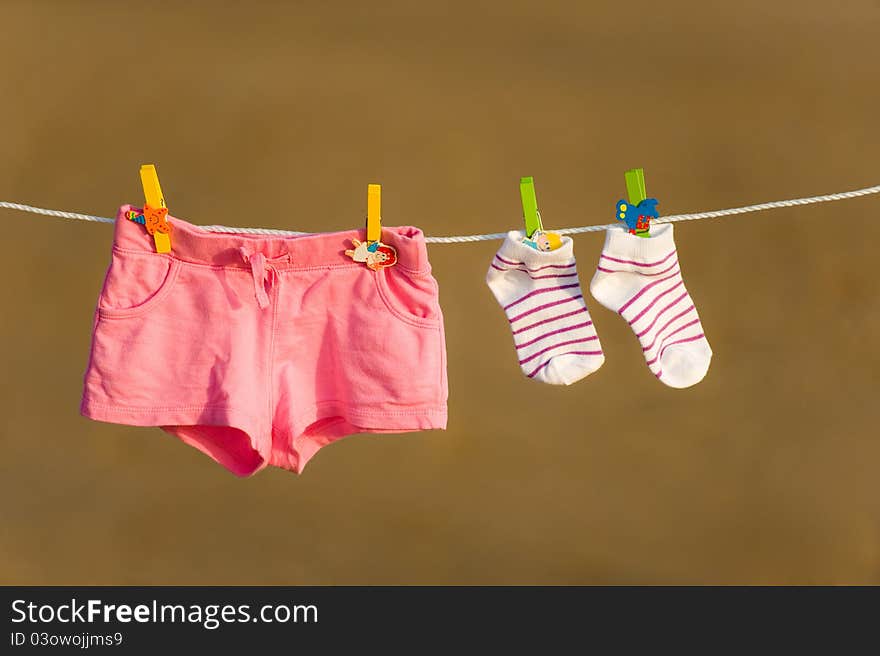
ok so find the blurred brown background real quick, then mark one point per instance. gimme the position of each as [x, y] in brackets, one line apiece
[279, 114]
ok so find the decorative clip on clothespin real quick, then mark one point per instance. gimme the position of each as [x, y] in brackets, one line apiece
[373, 252]
[155, 213]
[535, 237]
[637, 214]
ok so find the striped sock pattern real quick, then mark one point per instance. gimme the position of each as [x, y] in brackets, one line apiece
[539, 292]
[641, 280]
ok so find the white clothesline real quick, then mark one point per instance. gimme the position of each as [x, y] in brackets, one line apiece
[498, 235]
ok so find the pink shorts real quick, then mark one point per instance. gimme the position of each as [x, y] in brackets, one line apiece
[259, 350]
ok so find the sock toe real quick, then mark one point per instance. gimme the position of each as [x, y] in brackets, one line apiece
[685, 365]
[568, 369]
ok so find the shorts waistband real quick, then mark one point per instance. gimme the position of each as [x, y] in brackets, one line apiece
[192, 243]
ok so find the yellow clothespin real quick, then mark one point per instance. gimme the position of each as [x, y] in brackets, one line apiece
[372, 251]
[155, 210]
[374, 213]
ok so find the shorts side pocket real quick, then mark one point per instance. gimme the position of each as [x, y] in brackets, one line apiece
[136, 283]
[413, 299]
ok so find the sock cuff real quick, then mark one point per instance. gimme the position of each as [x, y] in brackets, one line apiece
[513, 252]
[646, 251]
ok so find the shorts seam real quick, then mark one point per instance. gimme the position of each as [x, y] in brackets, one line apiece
[415, 272]
[393, 413]
[331, 268]
[396, 414]
[245, 268]
[133, 408]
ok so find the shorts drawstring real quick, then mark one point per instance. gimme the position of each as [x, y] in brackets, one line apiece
[261, 272]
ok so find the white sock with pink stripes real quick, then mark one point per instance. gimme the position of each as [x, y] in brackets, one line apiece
[541, 296]
[640, 279]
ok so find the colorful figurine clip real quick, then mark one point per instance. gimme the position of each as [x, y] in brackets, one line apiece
[154, 219]
[637, 217]
[543, 241]
[137, 217]
[375, 255]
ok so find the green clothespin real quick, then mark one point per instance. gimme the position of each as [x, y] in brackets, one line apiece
[635, 186]
[530, 206]
[535, 237]
[636, 192]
